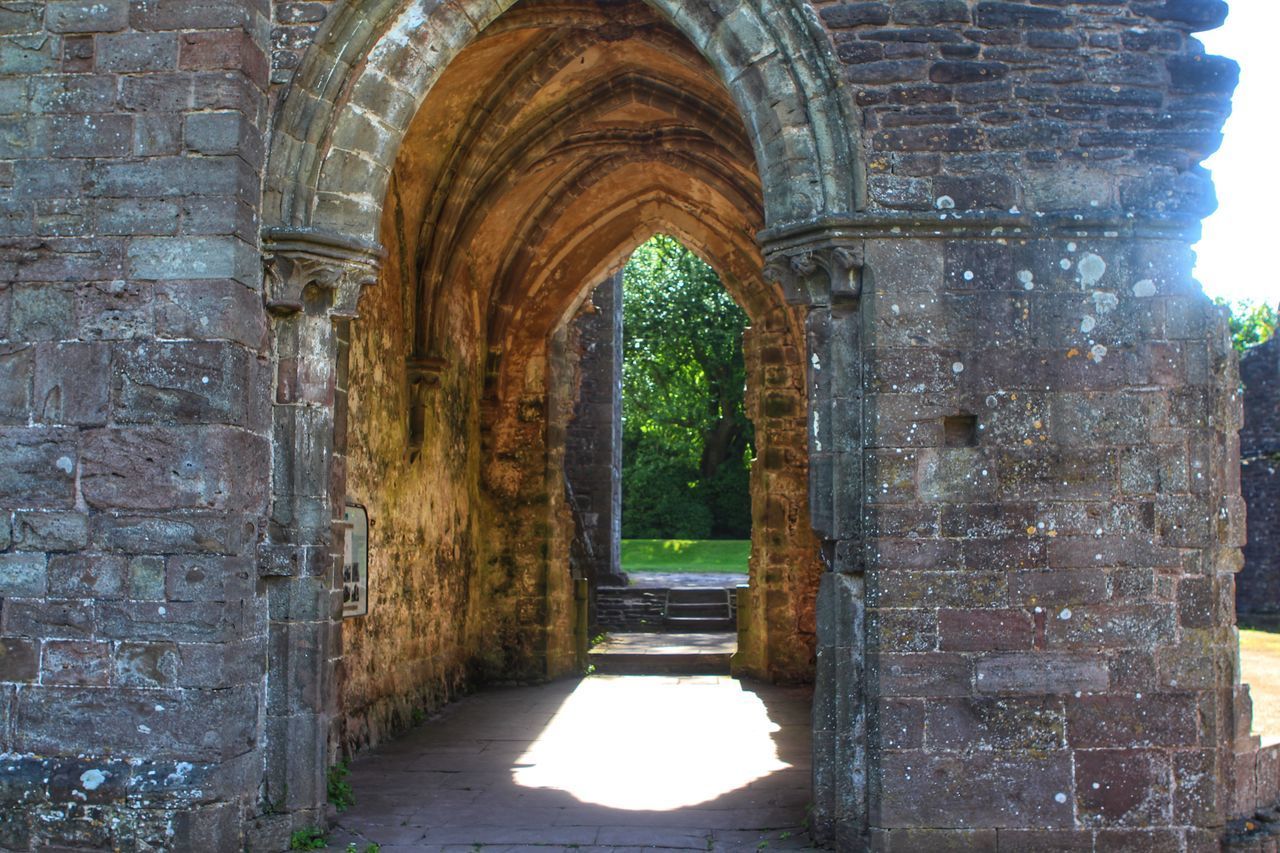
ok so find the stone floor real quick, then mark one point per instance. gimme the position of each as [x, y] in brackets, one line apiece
[639, 643]
[666, 580]
[685, 653]
[602, 763]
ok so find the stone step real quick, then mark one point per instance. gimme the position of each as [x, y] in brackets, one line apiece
[697, 595]
[718, 610]
[672, 664]
[678, 624]
[706, 653]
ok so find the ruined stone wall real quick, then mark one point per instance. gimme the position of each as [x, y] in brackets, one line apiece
[1022, 464]
[777, 625]
[593, 442]
[1258, 584]
[133, 632]
[1046, 499]
[416, 647]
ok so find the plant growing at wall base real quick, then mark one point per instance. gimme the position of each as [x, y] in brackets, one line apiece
[308, 838]
[340, 793]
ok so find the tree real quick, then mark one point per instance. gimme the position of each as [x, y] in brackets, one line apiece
[1251, 324]
[686, 437]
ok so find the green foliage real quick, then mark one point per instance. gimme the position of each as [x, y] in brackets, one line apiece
[686, 437]
[309, 838]
[340, 793]
[368, 848]
[1251, 324]
[660, 493]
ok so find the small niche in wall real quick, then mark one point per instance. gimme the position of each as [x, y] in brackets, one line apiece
[355, 562]
[960, 430]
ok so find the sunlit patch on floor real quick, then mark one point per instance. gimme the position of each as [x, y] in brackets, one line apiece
[625, 743]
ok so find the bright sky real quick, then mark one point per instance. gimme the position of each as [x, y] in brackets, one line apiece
[1237, 254]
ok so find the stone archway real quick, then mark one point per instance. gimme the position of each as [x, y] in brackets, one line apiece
[341, 125]
[336, 221]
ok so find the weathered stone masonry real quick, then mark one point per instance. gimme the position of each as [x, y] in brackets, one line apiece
[593, 444]
[1258, 585]
[261, 259]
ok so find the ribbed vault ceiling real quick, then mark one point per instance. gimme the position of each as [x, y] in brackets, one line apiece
[562, 137]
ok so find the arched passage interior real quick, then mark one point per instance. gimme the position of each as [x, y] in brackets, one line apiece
[548, 150]
[474, 175]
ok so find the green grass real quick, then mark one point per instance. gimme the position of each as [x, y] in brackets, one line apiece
[719, 556]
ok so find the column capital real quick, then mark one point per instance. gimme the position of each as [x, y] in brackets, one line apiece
[299, 260]
[816, 267]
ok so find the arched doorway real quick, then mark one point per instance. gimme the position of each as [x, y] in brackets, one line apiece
[482, 166]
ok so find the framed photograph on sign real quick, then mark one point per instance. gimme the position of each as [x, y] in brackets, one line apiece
[355, 563]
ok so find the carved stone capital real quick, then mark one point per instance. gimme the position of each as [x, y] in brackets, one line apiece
[816, 268]
[424, 371]
[302, 264]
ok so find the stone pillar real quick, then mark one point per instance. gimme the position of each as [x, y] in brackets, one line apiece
[593, 441]
[134, 448]
[821, 268]
[313, 284]
[1258, 584]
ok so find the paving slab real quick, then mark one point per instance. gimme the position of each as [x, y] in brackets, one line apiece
[612, 763]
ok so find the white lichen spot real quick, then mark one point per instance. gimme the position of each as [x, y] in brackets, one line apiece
[1065, 263]
[1095, 786]
[1071, 247]
[161, 611]
[895, 309]
[968, 275]
[1088, 324]
[1028, 279]
[1092, 268]
[179, 774]
[992, 402]
[1146, 287]
[65, 464]
[144, 729]
[1059, 797]
[1098, 352]
[204, 380]
[1105, 302]
[816, 362]
[1065, 614]
[92, 779]
[945, 202]
[957, 367]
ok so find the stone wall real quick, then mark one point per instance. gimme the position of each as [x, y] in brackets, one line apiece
[419, 642]
[1034, 520]
[624, 609]
[1012, 408]
[593, 442]
[1258, 584]
[135, 440]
